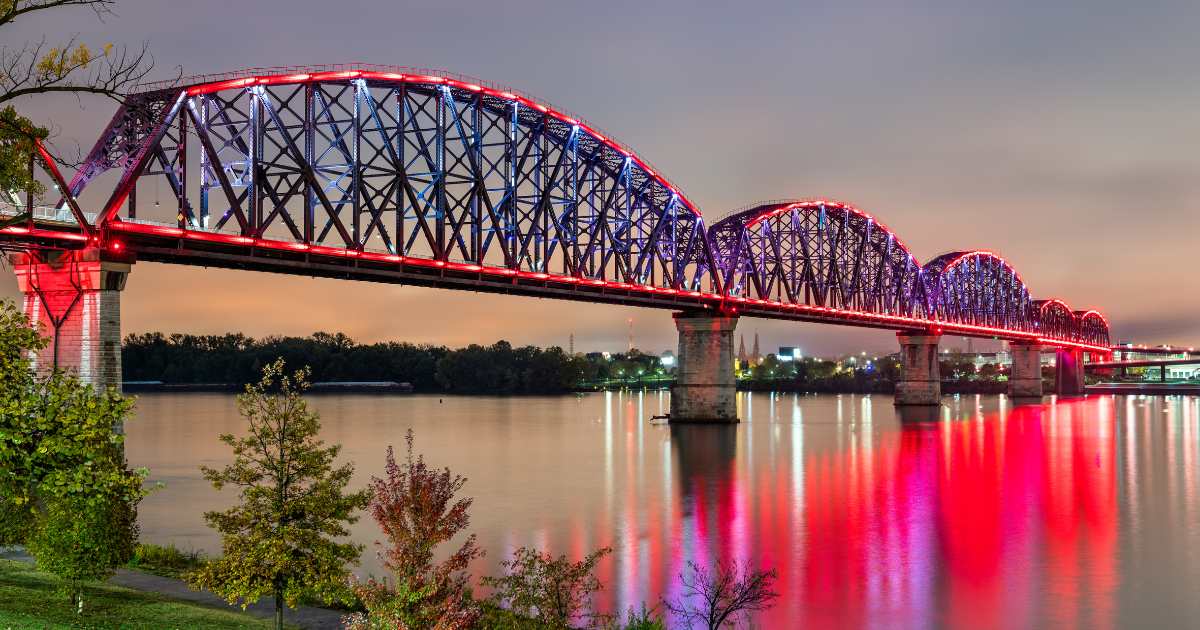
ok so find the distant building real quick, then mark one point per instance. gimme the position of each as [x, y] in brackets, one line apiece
[788, 353]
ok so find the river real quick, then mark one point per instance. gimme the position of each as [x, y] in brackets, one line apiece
[1081, 513]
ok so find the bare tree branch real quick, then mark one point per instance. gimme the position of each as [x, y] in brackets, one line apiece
[72, 68]
[724, 593]
[10, 10]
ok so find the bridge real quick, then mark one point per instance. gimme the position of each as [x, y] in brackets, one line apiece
[410, 176]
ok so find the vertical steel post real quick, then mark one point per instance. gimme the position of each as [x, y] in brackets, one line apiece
[443, 93]
[182, 211]
[510, 194]
[356, 164]
[480, 186]
[256, 142]
[401, 241]
[309, 153]
[204, 164]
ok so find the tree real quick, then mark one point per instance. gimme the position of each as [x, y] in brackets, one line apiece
[714, 598]
[416, 508]
[38, 68]
[65, 489]
[281, 539]
[555, 590]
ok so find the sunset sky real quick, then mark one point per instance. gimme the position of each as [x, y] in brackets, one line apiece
[1062, 137]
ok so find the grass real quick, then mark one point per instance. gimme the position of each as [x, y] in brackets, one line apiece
[173, 562]
[167, 561]
[30, 599]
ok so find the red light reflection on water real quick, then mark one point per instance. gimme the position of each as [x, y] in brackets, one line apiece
[997, 519]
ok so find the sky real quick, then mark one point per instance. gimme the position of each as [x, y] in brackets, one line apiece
[1058, 134]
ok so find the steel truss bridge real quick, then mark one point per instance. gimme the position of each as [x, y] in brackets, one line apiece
[425, 178]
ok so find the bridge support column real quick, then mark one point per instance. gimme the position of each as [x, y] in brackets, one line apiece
[1025, 377]
[74, 297]
[920, 379]
[705, 387]
[1068, 372]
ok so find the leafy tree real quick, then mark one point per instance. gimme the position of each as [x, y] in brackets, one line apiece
[555, 590]
[281, 539]
[715, 598]
[65, 489]
[416, 508]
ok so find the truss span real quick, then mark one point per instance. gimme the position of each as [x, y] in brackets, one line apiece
[416, 177]
[820, 254]
[816, 253]
[412, 165]
[976, 287]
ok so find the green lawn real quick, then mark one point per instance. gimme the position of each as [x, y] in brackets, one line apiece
[28, 599]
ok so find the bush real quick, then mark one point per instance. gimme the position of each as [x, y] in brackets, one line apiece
[81, 541]
[168, 561]
[416, 508]
[641, 620]
[555, 591]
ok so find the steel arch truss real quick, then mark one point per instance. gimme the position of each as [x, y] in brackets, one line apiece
[413, 166]
[831, 256]
[976, 288]
[1093, 328]
[816, 253]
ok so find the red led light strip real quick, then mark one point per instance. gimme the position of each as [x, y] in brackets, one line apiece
[818, 311]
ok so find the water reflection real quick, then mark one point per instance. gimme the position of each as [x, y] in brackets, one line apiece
[1077, 512]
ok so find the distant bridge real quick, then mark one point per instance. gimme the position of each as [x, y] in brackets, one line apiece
[419, 177]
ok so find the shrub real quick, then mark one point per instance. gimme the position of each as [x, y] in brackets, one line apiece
[416, 507]
[555, 591]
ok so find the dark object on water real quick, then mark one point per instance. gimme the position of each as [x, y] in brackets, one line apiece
[361, 386]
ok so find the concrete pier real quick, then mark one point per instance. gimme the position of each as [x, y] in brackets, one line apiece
[1025, 378]
[74, 297]
[920, 377]
[705, 387]
[1068, 372]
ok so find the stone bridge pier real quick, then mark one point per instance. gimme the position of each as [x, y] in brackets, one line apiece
[705, 389]
[920, 376]
[1068, 372]
[74, 298]
[1025, 377]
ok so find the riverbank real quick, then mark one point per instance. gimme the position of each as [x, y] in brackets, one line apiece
[151, 593]
[29, 599]
[151, 596]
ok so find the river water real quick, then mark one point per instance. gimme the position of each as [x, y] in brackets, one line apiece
[1074, 513]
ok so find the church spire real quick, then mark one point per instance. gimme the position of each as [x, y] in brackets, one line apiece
[756, 357]
[741, 357]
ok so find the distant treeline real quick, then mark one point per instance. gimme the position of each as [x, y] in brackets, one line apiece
[237, 359]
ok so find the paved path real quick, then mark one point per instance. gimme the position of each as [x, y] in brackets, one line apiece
[304, 617]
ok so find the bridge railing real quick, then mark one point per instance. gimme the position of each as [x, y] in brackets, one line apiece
[63, 215]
